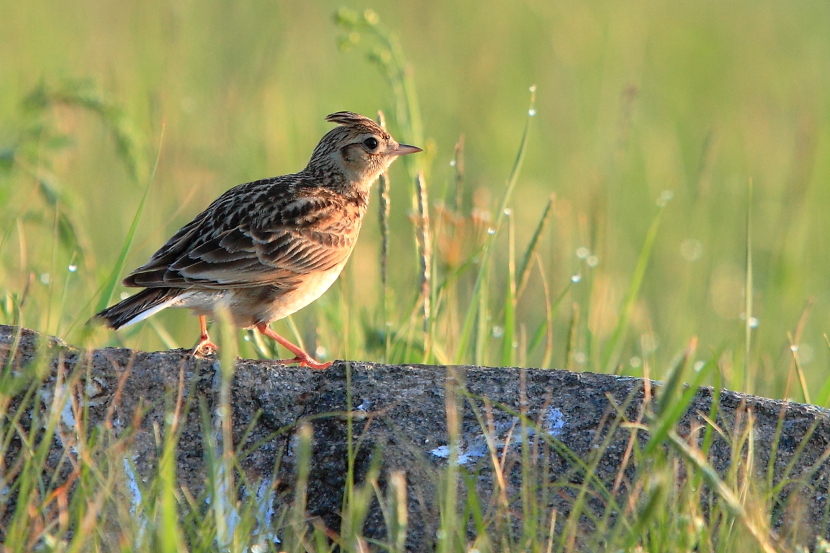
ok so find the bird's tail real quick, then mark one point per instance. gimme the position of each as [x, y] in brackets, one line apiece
[137, 307]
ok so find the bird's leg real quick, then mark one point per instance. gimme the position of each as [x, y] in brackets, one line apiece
[304, 359]
[204, 339]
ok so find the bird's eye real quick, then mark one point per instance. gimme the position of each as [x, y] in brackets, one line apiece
[371, 143]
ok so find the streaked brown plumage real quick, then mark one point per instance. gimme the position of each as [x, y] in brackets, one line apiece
[268, 248]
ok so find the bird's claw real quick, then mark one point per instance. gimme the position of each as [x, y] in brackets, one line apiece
[306, 361]
[204, 347]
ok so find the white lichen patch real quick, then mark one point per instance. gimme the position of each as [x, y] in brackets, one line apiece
[264, 516]
[506, 433]
[554, 422]
[136, 499]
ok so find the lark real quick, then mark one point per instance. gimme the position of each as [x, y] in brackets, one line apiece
[268, 248]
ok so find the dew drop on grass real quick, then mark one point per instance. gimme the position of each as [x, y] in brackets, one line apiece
[531, 112]
[691, 249]
[698, 366]
[72, 268]
[491, 231]
[665, 197]
[635, 361]
[805, 354]
[45, 278]
[320, 351]
[592, 261]
[371, 17]
[452, 163]
[576, 278]
[582, 252]
[649, 342]
[580, 357]
[498, 331]
[508, 211]
[754, 322]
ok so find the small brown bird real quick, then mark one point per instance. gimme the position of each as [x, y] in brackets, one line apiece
[268, 248]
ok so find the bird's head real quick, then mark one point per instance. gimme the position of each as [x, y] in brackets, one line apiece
[358, 150]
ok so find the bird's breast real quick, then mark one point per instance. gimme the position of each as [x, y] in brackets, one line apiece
[312, 286]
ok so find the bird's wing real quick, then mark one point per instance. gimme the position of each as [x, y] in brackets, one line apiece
[266, 232]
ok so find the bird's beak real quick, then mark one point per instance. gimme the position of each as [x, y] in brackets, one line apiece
[404, 149]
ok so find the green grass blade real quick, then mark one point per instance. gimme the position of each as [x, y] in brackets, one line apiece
[112, 280]
[384, 210]
[482, 340]
[748, 292]
[612, 349]
[168, 538]
[469, 318]
[509, 323]
[671, 404]
[730, 500]
[824, 393]
[533, 246]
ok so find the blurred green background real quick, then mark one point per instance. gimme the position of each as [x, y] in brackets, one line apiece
[638, 103]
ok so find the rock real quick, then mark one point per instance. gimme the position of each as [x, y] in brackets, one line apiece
[400, 414]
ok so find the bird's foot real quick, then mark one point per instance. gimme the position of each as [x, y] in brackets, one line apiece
[302, 358]
[204, 347]
[306, 361]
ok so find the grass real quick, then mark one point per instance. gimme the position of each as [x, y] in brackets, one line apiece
[665, 190]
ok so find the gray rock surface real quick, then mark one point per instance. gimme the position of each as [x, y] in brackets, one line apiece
[400, 412]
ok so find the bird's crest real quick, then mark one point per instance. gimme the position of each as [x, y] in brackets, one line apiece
[348, 118]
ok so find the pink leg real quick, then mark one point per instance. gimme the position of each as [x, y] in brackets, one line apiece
[304, 359]
[204, 339]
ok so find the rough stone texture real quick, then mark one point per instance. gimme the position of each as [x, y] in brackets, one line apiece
[401, 413]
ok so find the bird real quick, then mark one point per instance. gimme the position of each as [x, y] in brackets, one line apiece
[265, 249]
